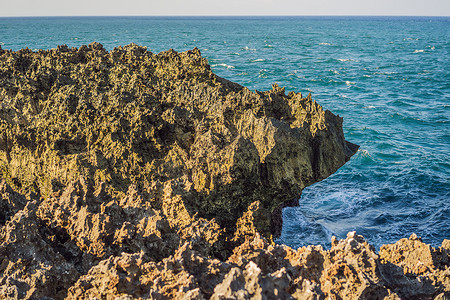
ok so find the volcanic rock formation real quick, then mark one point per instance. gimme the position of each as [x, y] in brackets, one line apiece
[127, 175]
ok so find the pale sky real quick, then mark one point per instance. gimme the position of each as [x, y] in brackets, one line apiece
[223, 7]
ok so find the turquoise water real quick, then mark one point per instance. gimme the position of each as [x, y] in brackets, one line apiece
[388, 77]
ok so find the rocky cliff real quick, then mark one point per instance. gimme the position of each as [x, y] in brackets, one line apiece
[134, 175]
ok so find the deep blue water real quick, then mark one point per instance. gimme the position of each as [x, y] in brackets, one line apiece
[388, 77]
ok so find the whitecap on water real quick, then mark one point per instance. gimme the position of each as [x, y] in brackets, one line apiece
[363, 152]
[262, 73]
[223, 65]
[327, 44]
[346, 59]
[384, 73]
[246, 48]
[419, 51]
[257, 60]
[349, 83]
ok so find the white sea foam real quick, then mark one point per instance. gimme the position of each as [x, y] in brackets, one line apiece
[370, 106]
[328, 44]
[223, 65]
[349, 83]
[419, 51]
[246, 48]
[346, 59]
[384, 73]
[257, 60]
[262, 73]
[364, 153]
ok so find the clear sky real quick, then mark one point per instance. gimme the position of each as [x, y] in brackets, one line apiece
[223, 7]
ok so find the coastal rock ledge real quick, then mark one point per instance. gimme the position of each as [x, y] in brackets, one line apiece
[133, 175]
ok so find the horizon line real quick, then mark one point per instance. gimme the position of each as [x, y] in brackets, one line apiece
[216, 16]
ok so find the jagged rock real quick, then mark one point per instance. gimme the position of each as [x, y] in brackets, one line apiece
[130, 175]
[101, 226]
[428, 267]
[130, 116]
[30, 266]
[251, 284]
[185, 275]
[35, 251]
[10, 202]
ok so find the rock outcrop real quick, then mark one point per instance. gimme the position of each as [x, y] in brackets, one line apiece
[131, 175]
[165, 123]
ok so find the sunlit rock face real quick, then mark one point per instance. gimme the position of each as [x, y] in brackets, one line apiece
[166, 124]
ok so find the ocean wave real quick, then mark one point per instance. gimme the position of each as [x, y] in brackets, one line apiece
[262, 73]
[325, 44]
[257, 60]
[363, 153]
[419, 51]
[400, 103]
[347, 59]
[246, 48]
[223, 65]
[349, 83]
[384, 73]
[303, 230]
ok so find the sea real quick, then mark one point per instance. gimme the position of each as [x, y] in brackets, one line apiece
[388, 77]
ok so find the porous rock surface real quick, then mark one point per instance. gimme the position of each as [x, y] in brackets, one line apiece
[131, 175]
